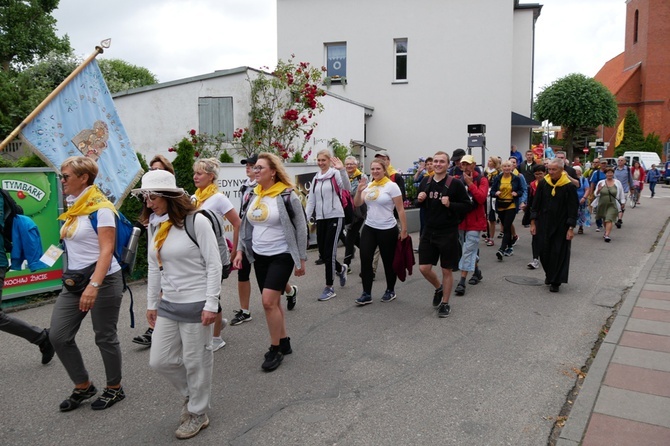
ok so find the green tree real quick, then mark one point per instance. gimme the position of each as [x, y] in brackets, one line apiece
[121, 75]
[28, 31]
[653, 143]
[633, 138]
[183, 164]
[576, 101]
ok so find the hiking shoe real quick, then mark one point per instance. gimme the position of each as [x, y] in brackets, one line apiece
[144, 339]
[443, 310]
[183, 416]
[327, 294]
[46, 348]
[499, 254]
[290, 298]
[437, 297]
[618, 223]
[240, 316]
[78, 396]
[217, 344]
[489, 242]
[509, 252]
[514, 240]
[534, 264]
[388, 296]
[108, 398]
[272, 359]
[364, 299]
[192, 426]
[460, 289]
[343, 276]
[476, 277]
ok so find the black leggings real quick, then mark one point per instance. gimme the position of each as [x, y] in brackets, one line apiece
[352, 240]
[327, 235]
[386, 240]
[507, 219]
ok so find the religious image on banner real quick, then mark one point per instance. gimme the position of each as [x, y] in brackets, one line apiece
[82, 120]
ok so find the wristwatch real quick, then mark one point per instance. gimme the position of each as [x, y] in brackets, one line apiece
[94, 284]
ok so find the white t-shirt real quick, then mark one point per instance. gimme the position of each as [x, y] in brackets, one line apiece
[218, 203]
[268, 237]
[380, 205]
[83, 248]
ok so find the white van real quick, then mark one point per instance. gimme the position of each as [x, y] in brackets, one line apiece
[646, 159]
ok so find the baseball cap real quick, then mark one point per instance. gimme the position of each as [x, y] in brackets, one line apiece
[382, 153]
[251, 160]
[468, 159]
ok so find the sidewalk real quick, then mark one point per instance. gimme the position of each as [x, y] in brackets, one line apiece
[625, 399]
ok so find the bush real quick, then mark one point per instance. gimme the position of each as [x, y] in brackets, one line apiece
[131, 208]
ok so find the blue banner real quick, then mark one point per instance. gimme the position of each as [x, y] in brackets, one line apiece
[82, 120]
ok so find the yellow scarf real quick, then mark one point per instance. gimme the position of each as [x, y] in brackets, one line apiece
[380, 183]
[430, 174]
[162, 234]
[89, 202]
[271, 192]
[203, 194]
[391, 170]
[355, 174]
[561, 182]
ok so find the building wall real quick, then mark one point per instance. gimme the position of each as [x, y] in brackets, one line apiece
[462, 67]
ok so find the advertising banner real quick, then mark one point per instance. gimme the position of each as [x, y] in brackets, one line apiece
[38, 192]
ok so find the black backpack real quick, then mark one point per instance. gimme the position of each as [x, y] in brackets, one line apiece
[11, 209]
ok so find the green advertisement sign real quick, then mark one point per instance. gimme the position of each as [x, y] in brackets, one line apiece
[38, 192]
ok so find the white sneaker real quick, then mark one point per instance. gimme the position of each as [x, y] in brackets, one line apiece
[535, 264]
[217, 344]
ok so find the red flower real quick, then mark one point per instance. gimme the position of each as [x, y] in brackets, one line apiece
[194, 141]
[284, 155]
[291, 115]
[171, 149]
[197, 154]
[192, 132]
[303, 120]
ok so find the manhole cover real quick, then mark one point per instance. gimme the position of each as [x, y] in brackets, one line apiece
[523, 280]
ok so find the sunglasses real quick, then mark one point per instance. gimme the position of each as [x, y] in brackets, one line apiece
[65, 177]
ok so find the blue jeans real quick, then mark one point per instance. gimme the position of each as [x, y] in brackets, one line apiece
[470, 242]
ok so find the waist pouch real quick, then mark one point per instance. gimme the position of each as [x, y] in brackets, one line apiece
[76, 280]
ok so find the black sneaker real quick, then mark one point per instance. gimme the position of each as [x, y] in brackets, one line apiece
[618, 223]
[108, 398]
[272, 359]
[476, 277]
[78, 396]
[47, 349]
[554, 287]
[144, 339]
[443, 310]
[460, 289]
[514, 240]
[500, 254]
[241, 316]
[437, 297]
[285, 346]
[319, 261]
[290, 298]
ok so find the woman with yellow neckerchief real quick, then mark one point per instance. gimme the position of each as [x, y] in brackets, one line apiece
[274, 239]
[381, 196]
[91, 253]
[507, 189]
[207, 196]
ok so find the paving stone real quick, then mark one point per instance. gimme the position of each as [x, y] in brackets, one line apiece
[634, 406]
[611, 431]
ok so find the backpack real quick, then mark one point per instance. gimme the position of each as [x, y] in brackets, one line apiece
[217, 225]
[286, 198]
[11, 209]
[346, 200]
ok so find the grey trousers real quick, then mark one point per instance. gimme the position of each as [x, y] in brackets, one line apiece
[66, 320]
[17, 327]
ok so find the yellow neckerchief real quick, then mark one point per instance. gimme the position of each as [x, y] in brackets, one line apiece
[561, 182]
[380, 183]
[430, 174]
[203, 194]
[515, 172]
[162, 234]
[87, 203]
[271, 192]
[356, 173]
[391, 170]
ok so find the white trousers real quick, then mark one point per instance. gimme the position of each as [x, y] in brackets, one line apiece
[179, 352]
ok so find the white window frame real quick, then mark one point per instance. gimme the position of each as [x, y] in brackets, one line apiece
[397, 55]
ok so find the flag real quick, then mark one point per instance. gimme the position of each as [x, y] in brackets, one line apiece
[619, 133]
[82, 120]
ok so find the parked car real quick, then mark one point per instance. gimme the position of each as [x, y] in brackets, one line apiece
[611, 162]
[646, 159]
[666, 174]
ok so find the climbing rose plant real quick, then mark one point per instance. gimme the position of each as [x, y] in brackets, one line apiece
[283, 110]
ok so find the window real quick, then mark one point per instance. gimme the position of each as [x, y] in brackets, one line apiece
[400, 48]
[336, 60]
[635, 24]
[216, 116]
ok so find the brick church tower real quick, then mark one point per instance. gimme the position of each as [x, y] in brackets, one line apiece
[640, 76]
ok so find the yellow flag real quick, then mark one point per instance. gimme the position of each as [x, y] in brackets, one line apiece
[619, 133]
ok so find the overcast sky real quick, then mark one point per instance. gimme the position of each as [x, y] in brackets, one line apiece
[181, 38]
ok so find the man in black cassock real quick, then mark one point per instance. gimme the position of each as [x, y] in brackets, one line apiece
[553, 219]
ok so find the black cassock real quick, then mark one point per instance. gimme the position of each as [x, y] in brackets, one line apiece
[553, 215]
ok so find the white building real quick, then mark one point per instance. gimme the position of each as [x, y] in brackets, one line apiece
[428, 67]
[158, 116]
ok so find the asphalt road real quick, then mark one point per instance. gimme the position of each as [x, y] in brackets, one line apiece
[495, 372]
